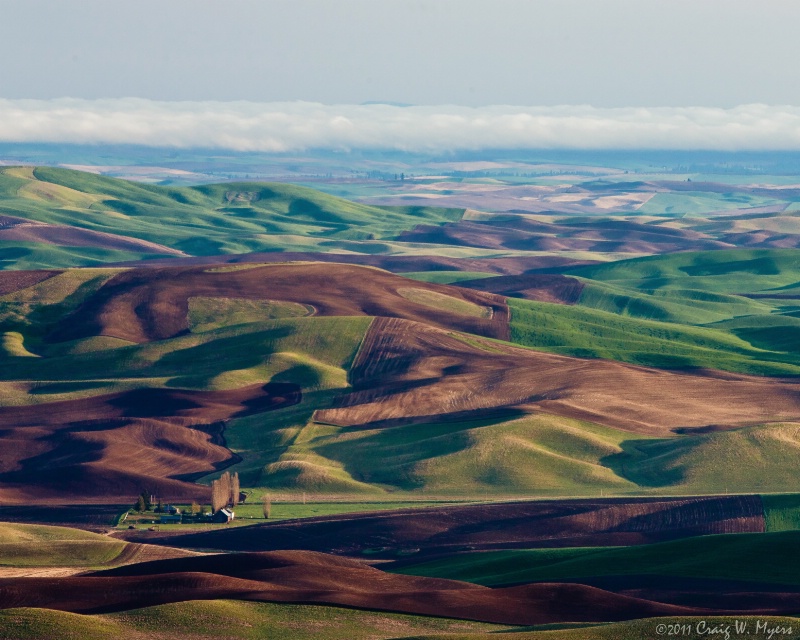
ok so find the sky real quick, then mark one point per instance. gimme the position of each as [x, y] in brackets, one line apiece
[489, 68]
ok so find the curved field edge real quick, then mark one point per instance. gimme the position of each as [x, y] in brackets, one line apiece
[754, 557]
[692, 628]
[732, 310]
[590, 333]
[248, 621]
[25, 545]
[230, 619]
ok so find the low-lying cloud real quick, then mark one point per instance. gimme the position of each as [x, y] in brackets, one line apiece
[296, 126]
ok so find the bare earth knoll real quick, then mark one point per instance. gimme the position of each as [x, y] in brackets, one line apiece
[307, 577]
[508, 265]
[409, 373]
[65, 236]
[520, 233]
[11, 281]
[152, 304]
[113, 446]
[542, 287]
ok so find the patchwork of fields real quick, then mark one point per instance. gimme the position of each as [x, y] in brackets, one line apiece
[586, 418]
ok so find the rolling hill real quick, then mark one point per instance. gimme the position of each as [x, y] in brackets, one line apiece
[201, 368]
[60, 217]
[609, 377]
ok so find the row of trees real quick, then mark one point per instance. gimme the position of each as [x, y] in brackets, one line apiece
[144, 502]
[225, 491]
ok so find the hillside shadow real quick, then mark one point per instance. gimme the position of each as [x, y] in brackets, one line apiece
[303, 209]
[645, 462]
[393, 456]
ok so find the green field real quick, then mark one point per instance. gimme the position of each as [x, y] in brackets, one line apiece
[588, 333]
[750, 459]
[696, 628]
[253, 621]
[688, 203]
[206, 314]
[229, 619]
[437, 300]
[203, 220]
[542, 455]
[679, 311]
[314, 353]
[232, 345]
[731, 271]
[781, 511]
[683, 306]
[758, 557]
[537, 455]
[447, 277]
[28, 545]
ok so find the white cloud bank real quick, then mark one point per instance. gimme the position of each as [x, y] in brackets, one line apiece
[295, 126]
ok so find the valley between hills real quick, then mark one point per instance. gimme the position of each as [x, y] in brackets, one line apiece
[578, 412]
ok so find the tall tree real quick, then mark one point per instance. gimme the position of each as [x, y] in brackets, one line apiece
[218, 496]
[221, 491]
[235, 489]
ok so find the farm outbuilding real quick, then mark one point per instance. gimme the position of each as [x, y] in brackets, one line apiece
[223, 515]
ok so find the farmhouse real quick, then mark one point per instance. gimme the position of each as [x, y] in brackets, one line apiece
[223, 516]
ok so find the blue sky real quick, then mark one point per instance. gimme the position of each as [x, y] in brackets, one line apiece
[606, 53]
[264, 73]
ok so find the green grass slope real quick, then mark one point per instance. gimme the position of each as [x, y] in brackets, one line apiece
[233, 346]
[683, 306]
[697, 203]
[781, 511]
[28, 545]
[761, 458]
[729, 271]
[206, 314]
[542, 454]
[36, 255]
[683, 310]
[314, 353]
[231, 620]
[592, 333]
[694, 628]
[204, 220]
[760, 557]
[447, 277]
[536, 455]
[35, 310]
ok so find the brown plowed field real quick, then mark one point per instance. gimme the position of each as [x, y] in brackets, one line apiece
[114, 446]
[297, 576]
[74, 237]
[708, 593]
[11, 281]
[437, 530]
[523, 234]
[136, 553]
[542, 287]
[409, 373]
[397, 264]
[152, 303]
